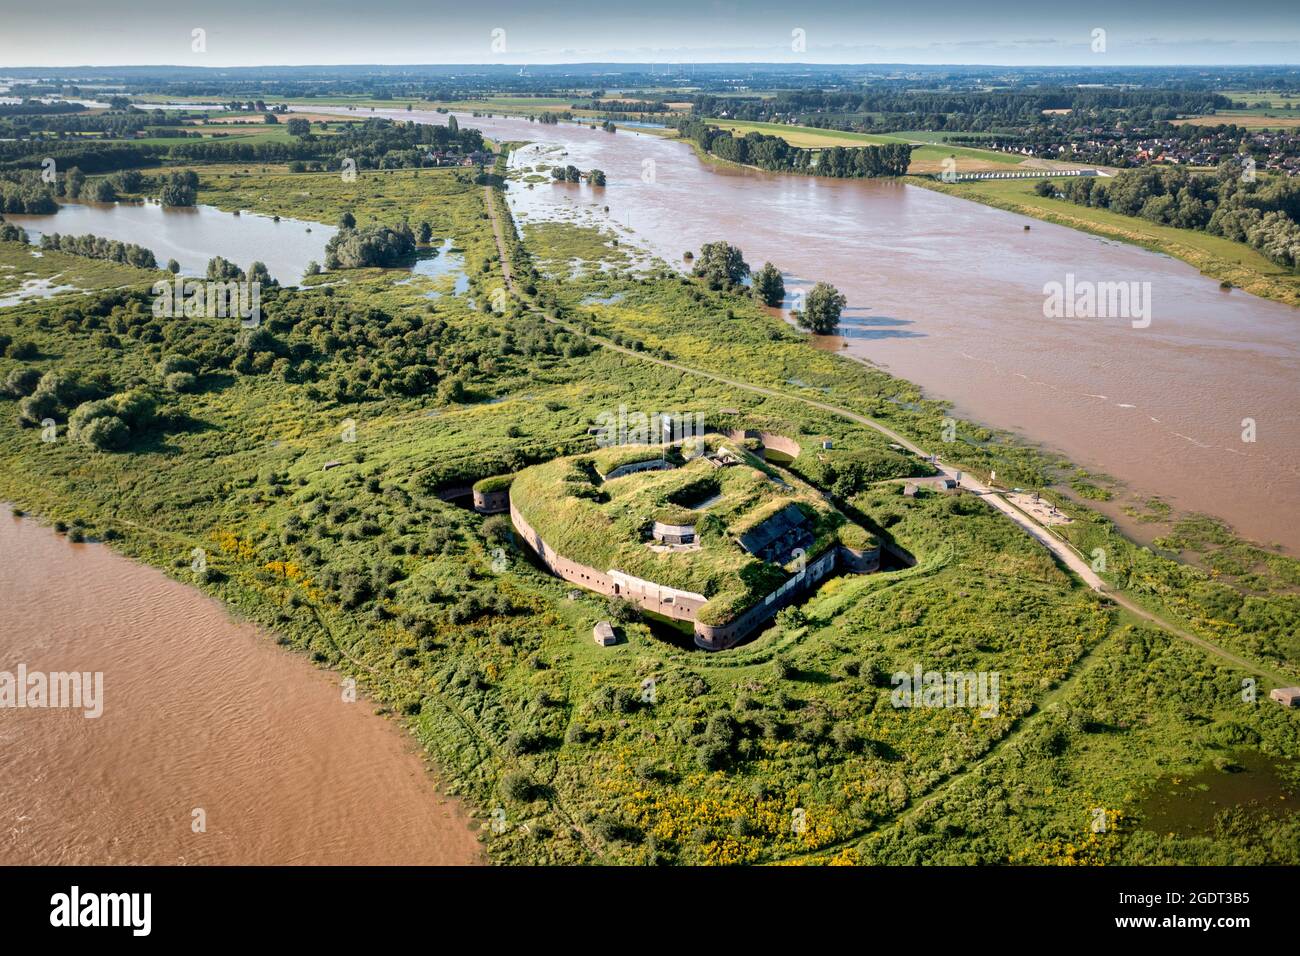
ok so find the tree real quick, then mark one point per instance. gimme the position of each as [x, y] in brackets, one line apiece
[102, 191]
[769, 285]
[73, 181]
[823, 306]
[270, 119]
[424, 233]
[221, 269]
[452, 126]
[347, 220]
[180, 189]
[259, 273]
[721, 265]
[380, 246]
[173, 266]
[127, 181]
[299, 127]
[596, 177]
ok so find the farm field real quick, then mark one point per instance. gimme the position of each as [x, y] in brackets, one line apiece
[1250, 119]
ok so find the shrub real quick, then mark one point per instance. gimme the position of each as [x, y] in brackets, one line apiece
[106, 433]
[498, 530]
[174, 363]
[518, 787]
[37, 407]
[621, 611]
[522, 742]
[613, 830]
[22, 382]
[180, 382]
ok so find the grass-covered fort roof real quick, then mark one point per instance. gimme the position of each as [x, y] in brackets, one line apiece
[606, 524]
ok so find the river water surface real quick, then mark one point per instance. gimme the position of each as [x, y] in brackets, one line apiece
[199, 712]
[949, 294]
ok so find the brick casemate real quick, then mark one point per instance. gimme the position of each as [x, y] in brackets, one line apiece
[672, 602]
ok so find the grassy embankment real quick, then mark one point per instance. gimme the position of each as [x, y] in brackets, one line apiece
[1219, 258]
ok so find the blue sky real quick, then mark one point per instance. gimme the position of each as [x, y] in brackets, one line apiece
[292, 32]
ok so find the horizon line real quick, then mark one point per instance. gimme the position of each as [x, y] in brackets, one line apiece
[659, 64]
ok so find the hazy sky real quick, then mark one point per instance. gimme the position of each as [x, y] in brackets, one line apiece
[1023, 32]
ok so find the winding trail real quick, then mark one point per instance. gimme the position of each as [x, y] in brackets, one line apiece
[1059, 548]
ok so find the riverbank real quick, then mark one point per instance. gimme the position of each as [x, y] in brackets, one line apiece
[1222, 259]
[29, 272]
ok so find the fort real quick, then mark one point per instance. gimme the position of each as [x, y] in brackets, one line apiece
[701, 532]
[492, 495]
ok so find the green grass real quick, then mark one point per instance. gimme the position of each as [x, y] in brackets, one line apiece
[20, 264]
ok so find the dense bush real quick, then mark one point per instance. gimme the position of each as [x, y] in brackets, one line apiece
[370, 246]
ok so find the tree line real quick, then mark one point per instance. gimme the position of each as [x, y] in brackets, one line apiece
[1228, 202]
[968, 110]
[97, 247]
[775, 154]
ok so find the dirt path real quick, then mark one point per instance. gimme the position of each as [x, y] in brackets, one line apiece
[488, 200]
[1061, 549]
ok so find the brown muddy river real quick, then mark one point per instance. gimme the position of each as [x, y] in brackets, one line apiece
[199, 712]
[949, 294]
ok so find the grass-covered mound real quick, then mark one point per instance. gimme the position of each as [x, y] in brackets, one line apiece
[493, 483]
[606, 524]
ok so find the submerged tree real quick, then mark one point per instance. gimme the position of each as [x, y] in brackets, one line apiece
[180, 189]
[822, 309]
[721, 265]
[769, 285]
